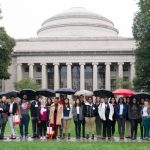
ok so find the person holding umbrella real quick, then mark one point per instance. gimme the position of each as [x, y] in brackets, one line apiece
[24, 107]
[90, 113]
[121, 114]
[12, 110]
[3, 116]
[134, 116]
[106, 112]
[35, 112]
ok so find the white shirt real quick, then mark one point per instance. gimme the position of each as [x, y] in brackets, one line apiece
[145, 113]
[78, 112]
[121, 109]
[11, 107]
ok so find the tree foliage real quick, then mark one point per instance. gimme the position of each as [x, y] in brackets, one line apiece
[27, 83]
[121, 83]
[141, 33]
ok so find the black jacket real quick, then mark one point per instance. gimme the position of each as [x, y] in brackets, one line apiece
[35, 109]
[14, 109]
[90, 110]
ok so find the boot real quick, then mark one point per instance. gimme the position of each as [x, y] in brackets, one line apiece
[64, 135]
[92, 136]
[87, 136]
[68, 136]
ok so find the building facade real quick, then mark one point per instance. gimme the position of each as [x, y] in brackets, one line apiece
[76, 49]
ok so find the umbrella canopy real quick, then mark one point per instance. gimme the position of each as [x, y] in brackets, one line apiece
[84, 93]
[12, 93]
[103, 93]
[46, 92]
[29, 92]
[124, 92]
[67, 91]
[141, 95]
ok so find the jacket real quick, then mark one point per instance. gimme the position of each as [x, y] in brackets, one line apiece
[89, 110]
[74, 113]
[117, 110]
[102, 110]
[35, 109]
[14, 109]
[69, 108]
[3, 112]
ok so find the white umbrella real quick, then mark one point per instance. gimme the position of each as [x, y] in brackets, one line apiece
[84, 93]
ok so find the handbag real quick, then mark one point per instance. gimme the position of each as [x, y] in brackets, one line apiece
[50, 131]
[16, 119]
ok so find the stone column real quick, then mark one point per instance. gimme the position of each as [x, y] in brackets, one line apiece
[31, 75]
[19, 72]
[107, 76]
[132, 71]
[56, 76]
[44, 75]
[69, 77]
[94, 76]
[120, 69]
[82, 76]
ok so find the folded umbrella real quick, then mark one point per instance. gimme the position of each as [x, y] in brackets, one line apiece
[29, 92]
[46, 92]
[103, 93]
[66, 91]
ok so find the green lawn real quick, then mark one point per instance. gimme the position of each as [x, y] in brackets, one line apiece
[73, 146]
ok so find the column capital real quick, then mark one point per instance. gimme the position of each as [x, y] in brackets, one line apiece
[68, 63]
[120, 63]
[107, 63]
[56, 63]
[43, 64]
[81, 63]
[19, 64]
[95, 63]
[31, 64]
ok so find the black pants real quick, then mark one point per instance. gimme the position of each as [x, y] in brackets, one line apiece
[113, 126]
[2, 128]
[141, 128]
[121, 126]
[42, 128]
[35, 127]
[24, 122]
[78, 128]
[107, 128]
[83, 127]
[134, 125]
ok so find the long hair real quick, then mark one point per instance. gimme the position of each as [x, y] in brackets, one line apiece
[75, 105]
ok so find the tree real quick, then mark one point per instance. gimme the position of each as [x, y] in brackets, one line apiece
[121, 83]
[6, 47]
[141, 33]
[27, 83]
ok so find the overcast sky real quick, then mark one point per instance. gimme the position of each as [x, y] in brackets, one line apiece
[22, 18]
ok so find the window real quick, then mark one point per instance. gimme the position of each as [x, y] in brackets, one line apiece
[26, 69]
[101, 76]
[38, 69]
[63, 76]
[126, 67]
[113, 68]
[50, 71]
[38, 81]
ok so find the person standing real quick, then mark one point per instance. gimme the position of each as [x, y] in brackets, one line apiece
[12, 110]
[66, 118]
[3, 116]
[24, 107]
[121, 114]
[90, 112]
[55, 117]
[98, 121]
[146, 119]
[114, 103]
[35, 112]
[106, 112]
[134, 116]
[77, 112]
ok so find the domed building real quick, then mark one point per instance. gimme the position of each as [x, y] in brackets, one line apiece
[77, 49]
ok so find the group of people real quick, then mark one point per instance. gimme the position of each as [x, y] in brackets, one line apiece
[86, 114]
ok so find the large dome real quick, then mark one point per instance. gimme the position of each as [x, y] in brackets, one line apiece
[77, 22]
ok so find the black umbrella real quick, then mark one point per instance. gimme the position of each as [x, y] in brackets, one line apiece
[141, 95]
[46, 92]
[10, 93]
[29, 92]
[67, 91]
[103, 93]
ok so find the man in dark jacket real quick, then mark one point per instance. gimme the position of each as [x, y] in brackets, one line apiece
[35, 112]
[3, 116]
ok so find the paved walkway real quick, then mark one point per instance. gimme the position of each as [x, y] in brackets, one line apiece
[114, 139]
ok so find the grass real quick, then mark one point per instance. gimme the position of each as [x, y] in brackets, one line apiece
[73, 145]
